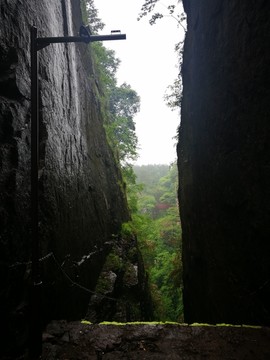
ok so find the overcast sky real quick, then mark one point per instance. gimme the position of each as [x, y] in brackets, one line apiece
[149, 65]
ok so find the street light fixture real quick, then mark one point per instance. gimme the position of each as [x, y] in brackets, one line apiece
[38, 43]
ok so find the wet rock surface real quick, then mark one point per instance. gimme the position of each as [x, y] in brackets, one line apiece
[224, 164]
[122, 292]
[81, 199]
[73, 341]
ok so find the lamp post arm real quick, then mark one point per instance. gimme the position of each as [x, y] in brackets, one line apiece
[46, 41]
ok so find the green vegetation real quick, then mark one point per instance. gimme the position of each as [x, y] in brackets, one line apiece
[156, 224]
[118, 103]
[173, 10]
[152, 197]
[158, 231]
[113, 263]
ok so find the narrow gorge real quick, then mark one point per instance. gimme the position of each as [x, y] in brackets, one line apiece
[90, 268]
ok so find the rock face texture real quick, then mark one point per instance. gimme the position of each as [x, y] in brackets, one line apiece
[154, 341]
[82, 205]
[224, 162]
[121, 293]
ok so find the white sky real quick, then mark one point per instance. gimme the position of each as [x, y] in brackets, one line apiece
[149, 65]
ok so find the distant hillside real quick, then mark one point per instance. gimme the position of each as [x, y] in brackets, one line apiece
[150, 174]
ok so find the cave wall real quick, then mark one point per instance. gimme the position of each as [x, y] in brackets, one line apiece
[82, 204]
[224, 162]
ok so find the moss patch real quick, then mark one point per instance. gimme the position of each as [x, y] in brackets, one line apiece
[113, 262]
[176, 323]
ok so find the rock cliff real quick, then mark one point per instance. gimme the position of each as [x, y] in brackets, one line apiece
[82, 204]
[224, 162]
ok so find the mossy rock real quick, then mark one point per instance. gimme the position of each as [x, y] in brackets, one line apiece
[133, 254]
[130, 278]
[113, 262]
[106, 282]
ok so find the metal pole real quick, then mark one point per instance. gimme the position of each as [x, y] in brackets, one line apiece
[35, 333]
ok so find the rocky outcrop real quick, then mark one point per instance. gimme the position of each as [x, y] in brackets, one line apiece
[82, 205]
[121, 293]
[224, 162]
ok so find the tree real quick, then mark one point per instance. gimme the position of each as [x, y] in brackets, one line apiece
[159, 236]
[119, 104]
[173, 95]
[171, 10]
[91, 16]
[106, 66]
[124, 103]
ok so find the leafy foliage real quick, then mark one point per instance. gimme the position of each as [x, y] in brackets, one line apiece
[171, 10]
[152, 199]
[173, 95]
[158, 230]
[174, 92]
[106, 65]
[124, 104]
[119, 103]
[90, 15]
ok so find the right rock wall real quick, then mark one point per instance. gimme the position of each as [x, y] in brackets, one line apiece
[224, 162]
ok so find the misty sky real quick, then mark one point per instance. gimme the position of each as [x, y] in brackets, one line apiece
[149, 65]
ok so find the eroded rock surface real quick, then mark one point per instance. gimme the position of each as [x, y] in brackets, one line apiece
[82, 203]
[224, 162]
[73, 341]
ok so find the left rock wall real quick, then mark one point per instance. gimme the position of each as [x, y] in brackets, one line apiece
[82, 205]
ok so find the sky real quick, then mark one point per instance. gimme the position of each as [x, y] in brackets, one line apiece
[149, 65]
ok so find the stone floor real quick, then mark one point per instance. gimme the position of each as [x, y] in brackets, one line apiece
[78, 341]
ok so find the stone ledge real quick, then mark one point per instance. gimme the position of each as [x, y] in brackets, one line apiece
[76, 340]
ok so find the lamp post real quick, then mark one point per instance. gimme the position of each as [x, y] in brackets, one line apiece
[37, 43]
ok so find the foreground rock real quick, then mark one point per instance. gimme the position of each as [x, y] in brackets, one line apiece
[73, 341]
